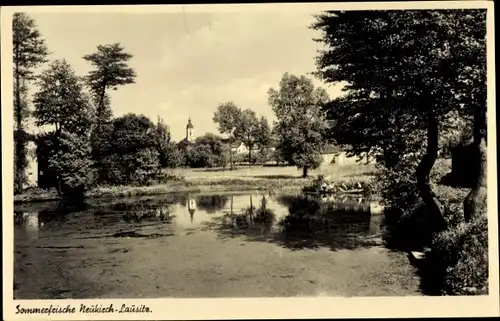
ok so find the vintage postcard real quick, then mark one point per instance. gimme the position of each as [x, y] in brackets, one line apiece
[249, 161]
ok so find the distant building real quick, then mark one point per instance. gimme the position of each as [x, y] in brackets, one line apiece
[241, 148]
[190, 137]
[190, 131]
[338, 155]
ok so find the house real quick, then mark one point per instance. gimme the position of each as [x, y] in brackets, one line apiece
[241, 148]
[330, 154]
[338, 155]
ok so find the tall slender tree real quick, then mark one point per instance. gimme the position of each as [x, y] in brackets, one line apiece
[111, 70]
[29, 52]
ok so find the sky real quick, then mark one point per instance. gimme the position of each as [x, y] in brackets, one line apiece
[187, 63]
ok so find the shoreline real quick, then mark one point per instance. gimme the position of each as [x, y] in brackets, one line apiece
[158, 189]
[186, 186]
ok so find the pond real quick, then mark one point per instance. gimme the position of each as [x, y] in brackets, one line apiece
[248, 244]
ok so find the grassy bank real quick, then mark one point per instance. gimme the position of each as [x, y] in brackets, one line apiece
[205, 180]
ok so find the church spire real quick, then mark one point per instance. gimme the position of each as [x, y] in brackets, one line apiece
[189, 130]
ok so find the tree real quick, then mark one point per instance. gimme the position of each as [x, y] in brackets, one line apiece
[227, 117]
[61, 104]
[29, 51]
[71, 162]
[301, 125]
[406, 71]
[263, 138]
[174, 156]
[110, 72]
[135, 158]
[199, 156]
[207, 151]
[162, 141]
[247, 131]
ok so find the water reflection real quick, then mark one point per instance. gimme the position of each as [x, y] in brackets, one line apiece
[29, 222]
[137, 211]
[295, 221]
[314, 222]
[303, 222]
[253, 218]
[211, 203]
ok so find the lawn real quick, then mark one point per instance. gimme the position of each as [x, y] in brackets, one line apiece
[240, 178]
[274, 172]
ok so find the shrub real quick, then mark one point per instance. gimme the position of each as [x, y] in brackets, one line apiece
[253, 160]
[199, 156]
[404, 214]
[264, 155]
[131, 155]
[239, 158]
[65, 163]
[458, 259]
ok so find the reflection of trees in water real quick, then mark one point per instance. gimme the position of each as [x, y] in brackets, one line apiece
[310, 223]
[211, 203]
[144, 211]
[130, 202]
[54, 215]
[260, 217]
[148, 214]
[135, 212]
[104, 218]
[27, 219]
[312, 216]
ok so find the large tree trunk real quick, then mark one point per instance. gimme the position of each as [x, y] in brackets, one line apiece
[249, 156]
[475, 202]
[18, 139]
[59, 187]
[98, 132]
[305, 169]
[18, 107]
[100, 107]
[430, 199]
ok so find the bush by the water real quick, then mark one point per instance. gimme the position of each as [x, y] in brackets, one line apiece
[323, 185]
[458, 259]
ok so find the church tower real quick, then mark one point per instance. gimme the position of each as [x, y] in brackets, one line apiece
[189, 131]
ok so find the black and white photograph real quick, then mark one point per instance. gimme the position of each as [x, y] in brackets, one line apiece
[277, 151]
